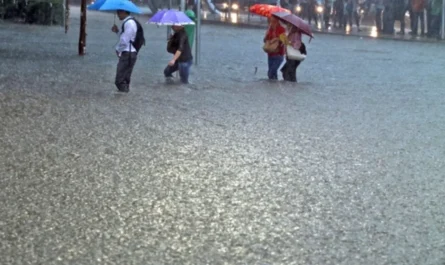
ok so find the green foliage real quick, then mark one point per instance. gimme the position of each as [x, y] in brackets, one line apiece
[46, 12]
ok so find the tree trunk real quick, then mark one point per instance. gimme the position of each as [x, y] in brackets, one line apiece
[67, 15]
[83, 22]
[152, 6]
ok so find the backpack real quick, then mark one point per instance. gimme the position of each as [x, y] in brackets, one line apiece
[139, 40]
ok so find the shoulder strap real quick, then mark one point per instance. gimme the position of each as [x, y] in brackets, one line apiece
[131, 43]
[131, 18]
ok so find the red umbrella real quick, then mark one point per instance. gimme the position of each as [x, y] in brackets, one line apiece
[296, 21]
[267, 10]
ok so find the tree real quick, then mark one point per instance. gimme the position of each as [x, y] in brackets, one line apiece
[152, 6]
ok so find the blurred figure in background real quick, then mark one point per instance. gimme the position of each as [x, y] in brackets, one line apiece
[418, 9]
[338, 13]
[327, 12]
[428, 17]
[400, 8]
[379, 6]
[304, 7]
[352, 14]
[436, 18]
[311, 12]
[388, 17]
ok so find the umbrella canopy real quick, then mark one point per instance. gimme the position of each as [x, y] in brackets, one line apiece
[159, 14]
[267, 10]
[126, 5]
[295, 21]
[171, 18]
[96, 5]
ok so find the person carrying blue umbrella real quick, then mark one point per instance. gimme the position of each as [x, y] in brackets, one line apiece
[131, 39]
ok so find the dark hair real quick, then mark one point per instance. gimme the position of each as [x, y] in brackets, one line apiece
[120, 10]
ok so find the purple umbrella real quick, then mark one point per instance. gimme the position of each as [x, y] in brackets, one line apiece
[170, 18]
[158, 15]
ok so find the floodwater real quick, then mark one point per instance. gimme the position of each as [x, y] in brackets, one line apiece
[345, 167]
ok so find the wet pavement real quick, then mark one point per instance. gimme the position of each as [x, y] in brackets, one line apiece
[367, 27]
[345, 167]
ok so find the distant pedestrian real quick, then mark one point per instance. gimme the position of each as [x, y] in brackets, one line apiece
[418, 8]
[327, 12]
[182, 60]
[388, 17]
[400, 8]
[304, 4]
[379, 7]
[428, 17]
[311, 12]
[339, 13]
[131, 40]
[352, 13]
[436, 18]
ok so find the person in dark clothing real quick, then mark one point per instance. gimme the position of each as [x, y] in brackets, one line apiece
[436, 19]
[327, 13]
[304, 7]
[388, 17]
[289, 69]
[311, 14]
[352, 13]
[400, 8]
[418, 8]
[379, 6]
[339, 13]
[179, 46]
[428, 18]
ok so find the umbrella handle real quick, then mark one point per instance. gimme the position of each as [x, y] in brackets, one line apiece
[114, 23]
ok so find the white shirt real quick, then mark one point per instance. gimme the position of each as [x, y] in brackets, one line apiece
[129, 34]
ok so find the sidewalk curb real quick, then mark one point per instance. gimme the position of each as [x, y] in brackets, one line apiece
[258, 26]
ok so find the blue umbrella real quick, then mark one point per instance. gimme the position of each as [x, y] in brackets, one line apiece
[126, 5]
[170, 18]
[96, 5]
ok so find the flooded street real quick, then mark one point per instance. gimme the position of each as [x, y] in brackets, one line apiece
[345, 167]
